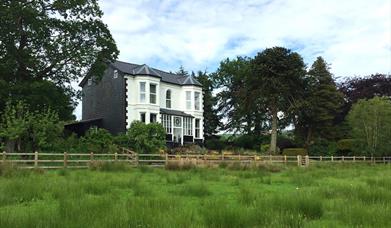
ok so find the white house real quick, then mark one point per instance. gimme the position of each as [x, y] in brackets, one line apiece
[130, 92]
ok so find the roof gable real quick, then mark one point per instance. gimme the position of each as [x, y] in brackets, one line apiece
[135, 69]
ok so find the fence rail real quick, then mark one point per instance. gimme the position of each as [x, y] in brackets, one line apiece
[80, 160]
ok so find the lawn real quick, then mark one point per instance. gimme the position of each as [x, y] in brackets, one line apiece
[337, 195]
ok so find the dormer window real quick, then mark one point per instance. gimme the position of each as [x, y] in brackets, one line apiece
[168, 99]
[115, 74]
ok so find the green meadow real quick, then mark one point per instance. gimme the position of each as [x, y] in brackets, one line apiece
[338, 195]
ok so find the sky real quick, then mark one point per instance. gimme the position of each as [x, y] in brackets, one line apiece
[354, 36]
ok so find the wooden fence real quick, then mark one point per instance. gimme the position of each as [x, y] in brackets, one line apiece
[83, 160]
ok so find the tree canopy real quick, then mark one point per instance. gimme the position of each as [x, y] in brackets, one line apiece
[278, 78]
[371, 126]
[54, 41]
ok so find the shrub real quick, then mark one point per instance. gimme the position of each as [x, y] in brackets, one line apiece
[215, 144]
[247, 142]
[98, 140]
[345, 146]
[294, 151]
[265, 148]
[147, 138]
[323, 147]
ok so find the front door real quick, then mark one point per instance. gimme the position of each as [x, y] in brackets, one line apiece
[178, 129]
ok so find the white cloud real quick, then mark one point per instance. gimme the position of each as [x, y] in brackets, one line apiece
[354, 36]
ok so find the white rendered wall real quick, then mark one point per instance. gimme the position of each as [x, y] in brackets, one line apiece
[178, 100]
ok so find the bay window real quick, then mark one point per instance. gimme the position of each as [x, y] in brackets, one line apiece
[197, 100]
[142, 92]
[188, 100]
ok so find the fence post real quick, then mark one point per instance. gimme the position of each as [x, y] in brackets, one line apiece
[115, 156]
[307, 160]
[136, 159]
[298, 160]
[332, 158]
[343, 158]
[239, 157]
[36, 159]
[222, 156]
[65, 160]
[255, 158]
[91, 156]
[166, 159]
[4, 156]
[364, 158]
[354, 158]
[384, 160]
[320, 158]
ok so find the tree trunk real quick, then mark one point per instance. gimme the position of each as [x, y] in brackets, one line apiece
[309, 138]
[273, 141]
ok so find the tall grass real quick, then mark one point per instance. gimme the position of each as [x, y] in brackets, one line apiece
[214, 197]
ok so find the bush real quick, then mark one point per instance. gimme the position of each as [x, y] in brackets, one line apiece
[294, 151]
[215, 144]
[98, 140]
[265, 148]
[248, 142]
[147, 138]
[323, 148]
[345, 145]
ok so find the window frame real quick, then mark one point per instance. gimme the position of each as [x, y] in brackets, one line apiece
[142, 94]
[143, 115]
[150, 117]
[151, 95]
[188, 100]
[168, 98]
[197, 103]
[197, 133]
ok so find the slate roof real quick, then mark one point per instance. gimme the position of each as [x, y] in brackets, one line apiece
[135, 69]
[174, 112]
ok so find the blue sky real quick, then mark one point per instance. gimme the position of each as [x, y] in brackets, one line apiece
[354, 36]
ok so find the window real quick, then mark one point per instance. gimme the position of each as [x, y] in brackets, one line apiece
[197, 128]
[142, 92]
[89, 82]
[152, 117]
[115, 74]
[142, 117]
[152, 93]
[197, 100]
[188, 100]
[187, 126]
[168, 99]
[166, 122]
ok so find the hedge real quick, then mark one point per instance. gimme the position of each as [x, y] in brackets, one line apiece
[345, 144]
[294, 151]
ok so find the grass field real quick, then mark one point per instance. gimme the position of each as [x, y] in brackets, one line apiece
[317, 196]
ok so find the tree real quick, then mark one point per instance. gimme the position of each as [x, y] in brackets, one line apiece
[211, 118]
[182, 71]
[98, 140]
[52, 40]
[367, 87]
[278, 78]
[29, 131]
[317, 112]
[243, 111]
[371, 126]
